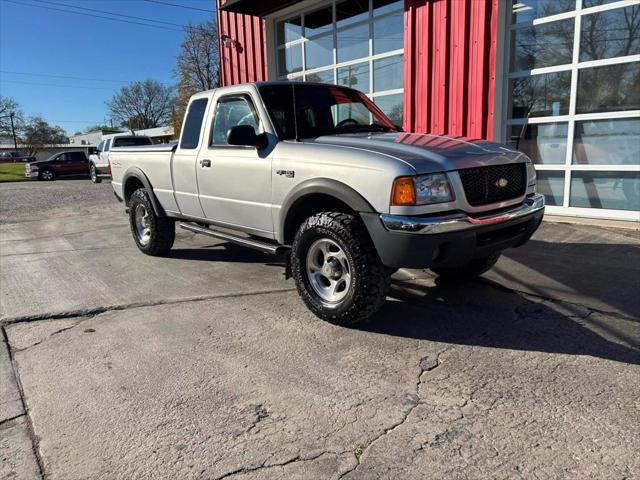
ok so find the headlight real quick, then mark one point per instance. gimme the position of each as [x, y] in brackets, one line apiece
[421, 190]
[531, 174]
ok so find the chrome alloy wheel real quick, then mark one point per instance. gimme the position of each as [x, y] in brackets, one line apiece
[143, 224]
[47, 175]
[94, 174]
[328, 270]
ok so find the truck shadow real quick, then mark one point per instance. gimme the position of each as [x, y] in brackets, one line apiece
[480, 314]
[228, 253]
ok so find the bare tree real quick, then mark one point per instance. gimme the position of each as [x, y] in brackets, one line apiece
[142, 105]
[197, 66]
[38, 134]
[8, 108]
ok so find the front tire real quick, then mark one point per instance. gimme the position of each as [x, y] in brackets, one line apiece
[471, 270]
[46, 175]
[93, 173]
[337, 271]
[153, 235]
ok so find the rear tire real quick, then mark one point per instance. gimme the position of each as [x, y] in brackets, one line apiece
[93, 173]
[337, 271]
[153, 235]
[46, 175]
[471, 270]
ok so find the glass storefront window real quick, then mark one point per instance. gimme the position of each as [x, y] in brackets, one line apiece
[542, 45]
[611, 141]
[351, 11]
[319, 51]
[612, 33]
[388, 33]
[381, 7]
[611, 190]
[290, 59]
[355, 76]
[353, 43]
[544, 143]
[320, 21]
[540, 95]
[391, 105]
[609, 88]
[551, 185]
[288, 31]
[325, 76]
[388, 73]
[526, 10]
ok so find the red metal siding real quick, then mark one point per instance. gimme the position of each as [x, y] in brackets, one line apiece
[450, 60]
[242, 57]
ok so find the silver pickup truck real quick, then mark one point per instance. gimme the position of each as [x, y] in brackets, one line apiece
[318, 173]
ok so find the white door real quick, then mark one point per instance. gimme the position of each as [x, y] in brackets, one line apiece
[235, 181]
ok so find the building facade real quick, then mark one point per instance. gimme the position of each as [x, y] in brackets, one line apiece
[556, 79]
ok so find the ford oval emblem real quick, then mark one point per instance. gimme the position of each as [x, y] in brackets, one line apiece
[502, 182]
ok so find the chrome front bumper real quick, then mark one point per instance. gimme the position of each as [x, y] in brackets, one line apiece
[461, 221]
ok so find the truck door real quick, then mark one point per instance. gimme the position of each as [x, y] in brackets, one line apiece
[185, 184]
[234, 182]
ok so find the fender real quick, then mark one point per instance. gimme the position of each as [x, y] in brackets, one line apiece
[135, 172]
[326, 186]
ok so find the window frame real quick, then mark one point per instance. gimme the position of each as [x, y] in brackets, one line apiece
[308, 7]
[230, 96]
[571, 117]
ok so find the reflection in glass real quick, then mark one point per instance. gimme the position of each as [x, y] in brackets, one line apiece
[355, 76]
[613, 33]
[542, 45]
[388, 73]
[384, 6]
[288, 30]
[290, 59]
[391, 105]
[544, 143]
[319, 51]
[318, 22]
[595, 3]
[325, 76]
[540, 95]
[388, 33]
[353, 43]
[524, 10]
[610, 88]
[351, 11]
[613, 190]
[614, 142]
[551, 185]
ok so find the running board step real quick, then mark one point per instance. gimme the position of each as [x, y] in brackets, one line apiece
[264, 247]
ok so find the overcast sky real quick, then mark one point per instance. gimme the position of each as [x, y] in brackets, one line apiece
[38, 45]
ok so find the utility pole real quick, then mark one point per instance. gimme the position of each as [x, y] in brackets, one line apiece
[13, 131]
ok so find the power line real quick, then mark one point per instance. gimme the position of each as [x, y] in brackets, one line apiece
[179, 6]
[107, 12]
[93, 15]
[53, 85]
[63, 76]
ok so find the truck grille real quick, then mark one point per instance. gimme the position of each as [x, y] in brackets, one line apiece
[486, 185]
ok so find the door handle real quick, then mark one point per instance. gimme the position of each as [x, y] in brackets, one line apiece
[206, 163]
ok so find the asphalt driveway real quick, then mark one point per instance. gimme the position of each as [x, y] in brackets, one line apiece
[207, 365]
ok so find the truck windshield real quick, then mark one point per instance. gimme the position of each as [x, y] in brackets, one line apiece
[321, 110]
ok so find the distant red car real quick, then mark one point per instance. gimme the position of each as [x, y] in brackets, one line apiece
[15, 157]
[60, 164]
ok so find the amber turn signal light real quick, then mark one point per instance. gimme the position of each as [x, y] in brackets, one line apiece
[404, 192]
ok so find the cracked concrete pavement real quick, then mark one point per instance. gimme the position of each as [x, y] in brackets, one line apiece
[207, 365]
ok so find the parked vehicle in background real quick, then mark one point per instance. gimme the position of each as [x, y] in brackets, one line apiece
[99, 162]
[318, 173]
[15, 157]
[58, 165]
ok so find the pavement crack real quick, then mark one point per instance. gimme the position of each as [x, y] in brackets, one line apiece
[5, 423]
[264, 465]
[92, 312]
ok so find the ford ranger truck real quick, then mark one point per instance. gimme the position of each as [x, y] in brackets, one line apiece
[319, 174]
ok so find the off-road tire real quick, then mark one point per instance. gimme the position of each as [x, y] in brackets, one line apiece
[93, 174]
[370, 280]
[163, 229]
[41, 174]
[471, 270]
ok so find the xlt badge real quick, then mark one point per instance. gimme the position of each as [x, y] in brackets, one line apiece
[286, 173]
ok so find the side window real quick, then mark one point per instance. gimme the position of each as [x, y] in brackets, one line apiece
[63, 157]
[100, 146]
[78, 156]
[230, 112]
[107, 144]
[191, 131]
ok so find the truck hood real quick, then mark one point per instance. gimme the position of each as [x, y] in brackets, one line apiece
[428, 153]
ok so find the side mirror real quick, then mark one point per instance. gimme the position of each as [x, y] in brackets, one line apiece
[245, 135]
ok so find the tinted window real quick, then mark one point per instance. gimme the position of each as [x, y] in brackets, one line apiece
[231, 112]
[77, 156]
[279, 102]
[191, 131]
[107, 145]
[131, 141]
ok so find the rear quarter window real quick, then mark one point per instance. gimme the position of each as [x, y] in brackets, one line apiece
[193, 124]
[131, 141]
